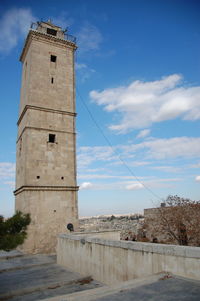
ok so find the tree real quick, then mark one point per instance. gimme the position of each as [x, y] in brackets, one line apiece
[177, 220]
[13, 230]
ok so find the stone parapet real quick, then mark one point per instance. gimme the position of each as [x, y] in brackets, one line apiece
[113, 261]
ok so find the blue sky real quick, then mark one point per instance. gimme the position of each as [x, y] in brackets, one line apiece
[138, 71]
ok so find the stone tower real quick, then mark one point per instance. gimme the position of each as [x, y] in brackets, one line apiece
[46, 144]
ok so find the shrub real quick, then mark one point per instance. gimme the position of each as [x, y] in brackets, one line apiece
[13, 230]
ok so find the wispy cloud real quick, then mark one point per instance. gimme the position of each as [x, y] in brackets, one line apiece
[131, 185]
[89, 38]
[105, 176]
[14, 25]
[197, 178]
[83, 71]
[10, 183]
[7, 170]
[197, 165]
[87, 154]
[85, 185]
[143, 133]
[134, 186]
[177, 147]
[169, 169]
[155, 148]
[144, 103]
[63, 20]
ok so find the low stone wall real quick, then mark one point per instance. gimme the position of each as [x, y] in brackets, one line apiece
[113, 261]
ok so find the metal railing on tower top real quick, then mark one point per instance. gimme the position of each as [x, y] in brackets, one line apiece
[66, 36]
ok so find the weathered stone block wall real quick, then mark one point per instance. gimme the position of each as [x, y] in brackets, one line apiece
[115, 261]
[51, 211]
[46, 170]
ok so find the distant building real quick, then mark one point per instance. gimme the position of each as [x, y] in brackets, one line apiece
[46, 184]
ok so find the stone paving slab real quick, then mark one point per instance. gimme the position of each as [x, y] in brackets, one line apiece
[11, 254]
[166, 290]
[107, 290]
[152, 288]
[19, 282]
[26, 261]
[81, 285]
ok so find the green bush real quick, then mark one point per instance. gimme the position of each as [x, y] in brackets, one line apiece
[13, 230]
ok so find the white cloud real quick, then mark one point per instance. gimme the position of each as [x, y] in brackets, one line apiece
[104, 176]
[143, 133]
[63, 20]
[144, 103]
[7, 170]
[139, 163]
[89, 38]
[14, 25]
[83, 71]
[177, 147]
[10, 183]
[134, 186]
[87, 155]
[86, 185]
[197, 165]
[167, 168]
[197, 178]
[157, 149]
[80, 66]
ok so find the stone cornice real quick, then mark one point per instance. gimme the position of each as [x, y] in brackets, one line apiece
[34, 34]
[44, 129]
[45, 188]
[44, 110]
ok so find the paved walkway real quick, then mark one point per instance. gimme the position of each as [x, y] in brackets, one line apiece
[38, 277]
[167, 290]
[159, 287]
[34, 277]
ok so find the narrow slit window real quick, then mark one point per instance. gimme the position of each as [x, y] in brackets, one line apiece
[53, 58]
[51, 31]
[52, 80]
[52, 138]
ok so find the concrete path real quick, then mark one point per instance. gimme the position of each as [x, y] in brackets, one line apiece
[26, 261]
[34, 277]
[153, 288]
[167, 290]
[11, 254]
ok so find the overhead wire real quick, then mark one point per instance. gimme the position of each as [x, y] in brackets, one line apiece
[114, 150]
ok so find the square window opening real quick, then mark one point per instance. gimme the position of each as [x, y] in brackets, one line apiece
[53, 58]
[52, 138]
[51, 31]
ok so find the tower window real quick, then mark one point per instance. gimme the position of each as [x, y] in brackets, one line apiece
[53, 58]
[52, 138]
[52, 80]
[51, 31]
[38, 177]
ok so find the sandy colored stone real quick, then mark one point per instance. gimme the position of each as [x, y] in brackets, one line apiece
[46, 184]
